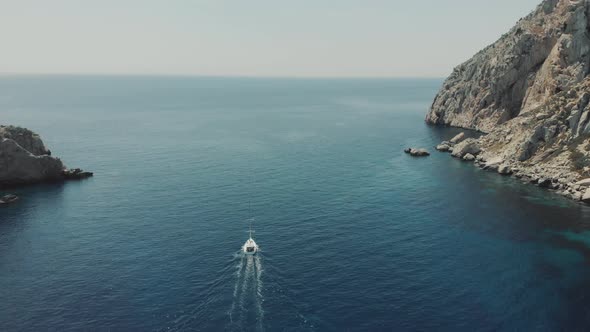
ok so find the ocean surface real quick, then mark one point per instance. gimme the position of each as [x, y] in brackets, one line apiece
[355, 235]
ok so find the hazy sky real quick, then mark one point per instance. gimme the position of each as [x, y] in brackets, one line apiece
[329, 38]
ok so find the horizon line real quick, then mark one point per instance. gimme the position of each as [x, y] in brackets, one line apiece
[177, 75]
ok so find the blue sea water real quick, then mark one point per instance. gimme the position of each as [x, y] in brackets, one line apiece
[355, 235]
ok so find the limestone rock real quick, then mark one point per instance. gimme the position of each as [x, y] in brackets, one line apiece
[443, 147]
[458, 138]
[504, 169]
[417, 152]
[545, 52]
[469, 145]
[469, 157]
[493, 164]
[583, 183]
[586, 197]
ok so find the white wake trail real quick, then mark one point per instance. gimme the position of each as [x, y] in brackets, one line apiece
[247, 295]
[246, 284]
[240, 267]
[259, 296]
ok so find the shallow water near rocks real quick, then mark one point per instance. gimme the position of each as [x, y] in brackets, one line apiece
[354, 233]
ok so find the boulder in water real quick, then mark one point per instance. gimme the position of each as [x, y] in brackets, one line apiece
[469, 157]
[417, 152]
[443, 147]
[76, 174]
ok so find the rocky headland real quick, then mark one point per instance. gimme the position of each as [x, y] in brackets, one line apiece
[24, 159]
[529, 93]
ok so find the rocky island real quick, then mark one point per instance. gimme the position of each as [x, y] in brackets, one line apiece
[24, 159]
[529, 94]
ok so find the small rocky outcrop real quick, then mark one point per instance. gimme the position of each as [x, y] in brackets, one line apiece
[76, 174]
[24, 159]
[417, 152]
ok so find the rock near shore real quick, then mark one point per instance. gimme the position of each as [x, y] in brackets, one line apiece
[529, 92]
[417, 152]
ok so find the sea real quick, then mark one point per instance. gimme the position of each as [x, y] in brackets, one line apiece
[354, 234]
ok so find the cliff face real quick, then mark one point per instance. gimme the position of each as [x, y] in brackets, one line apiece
[545, 53]
[530, 91]
[24, 158]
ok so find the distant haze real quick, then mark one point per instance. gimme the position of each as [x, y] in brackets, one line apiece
[304, 38]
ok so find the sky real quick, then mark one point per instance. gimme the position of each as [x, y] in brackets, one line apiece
[277, 38]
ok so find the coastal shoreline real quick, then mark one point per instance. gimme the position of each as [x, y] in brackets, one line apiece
[529, 92]
[560, 180]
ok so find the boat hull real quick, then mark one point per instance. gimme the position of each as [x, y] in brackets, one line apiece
[250, 247]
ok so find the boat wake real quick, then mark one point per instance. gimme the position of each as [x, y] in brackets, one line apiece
[241, 287]
[246, 308]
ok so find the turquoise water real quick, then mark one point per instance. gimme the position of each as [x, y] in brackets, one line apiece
[355, 235]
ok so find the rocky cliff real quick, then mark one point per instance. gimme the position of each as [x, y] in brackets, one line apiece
[24, 159]
[530, 92]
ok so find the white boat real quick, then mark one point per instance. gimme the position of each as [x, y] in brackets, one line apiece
[250, 247]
